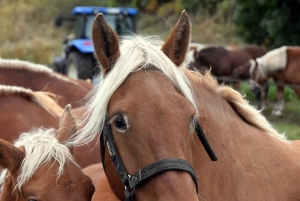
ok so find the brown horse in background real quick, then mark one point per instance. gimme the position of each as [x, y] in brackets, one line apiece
[151, 109]
[41, 78]
[281, 64]
[22, 110]
[193, 47]
[40, 167]
[223, 61]
[196, 47]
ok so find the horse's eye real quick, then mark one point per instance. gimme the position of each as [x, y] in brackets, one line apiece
[32, 200]
[120, 123]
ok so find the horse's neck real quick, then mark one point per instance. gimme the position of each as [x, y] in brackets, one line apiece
[291, 73]
[248, 159]
[274, 61]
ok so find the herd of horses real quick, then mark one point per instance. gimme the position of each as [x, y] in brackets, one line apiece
[133, 134]
[251, 62]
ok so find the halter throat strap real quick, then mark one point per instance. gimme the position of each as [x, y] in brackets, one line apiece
[131, 182]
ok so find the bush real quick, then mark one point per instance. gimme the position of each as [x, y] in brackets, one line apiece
[271, 23]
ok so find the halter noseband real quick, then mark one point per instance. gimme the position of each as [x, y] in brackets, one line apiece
[131, 182]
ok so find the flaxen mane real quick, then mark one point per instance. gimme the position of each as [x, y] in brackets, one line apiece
[41, 147]
[45, 100]
[144, 53]
[249, 113]
[273, 60]
[28, 66]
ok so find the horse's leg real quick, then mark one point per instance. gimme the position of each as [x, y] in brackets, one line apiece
[259, 97]
[279, 105]
[264, 95]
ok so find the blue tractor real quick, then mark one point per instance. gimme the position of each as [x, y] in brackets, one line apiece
[77, 59]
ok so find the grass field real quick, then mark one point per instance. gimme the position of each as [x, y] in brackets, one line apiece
[289, 122]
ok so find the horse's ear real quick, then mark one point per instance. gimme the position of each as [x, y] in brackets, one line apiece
[67, 126]
[106, 43]
[177, 44]
[11, 157]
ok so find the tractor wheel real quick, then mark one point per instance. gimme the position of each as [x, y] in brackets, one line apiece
[79, 66]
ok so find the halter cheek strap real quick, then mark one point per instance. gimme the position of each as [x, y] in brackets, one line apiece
[131, 182]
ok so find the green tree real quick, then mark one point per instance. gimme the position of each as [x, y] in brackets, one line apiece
[271, 23]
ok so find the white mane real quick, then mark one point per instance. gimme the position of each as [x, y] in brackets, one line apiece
[136, 53]
[252, 66]
[11, 90]
[40, 147]
[26, 65]
[273, 60]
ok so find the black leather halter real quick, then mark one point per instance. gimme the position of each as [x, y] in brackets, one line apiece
[131, 182]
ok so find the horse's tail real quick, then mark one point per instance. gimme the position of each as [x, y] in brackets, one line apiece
[47, 101]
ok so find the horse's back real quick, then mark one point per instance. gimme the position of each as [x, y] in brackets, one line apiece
[293, 52]
[255, 51]
[214, 57]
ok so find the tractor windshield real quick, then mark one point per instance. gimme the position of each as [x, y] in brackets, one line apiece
[121, 24]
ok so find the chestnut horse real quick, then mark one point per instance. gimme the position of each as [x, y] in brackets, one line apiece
[196, 47]
[41, 78]
[22, 109]
[149, 111]
[40, 167]
[223, 61]
[281, 64]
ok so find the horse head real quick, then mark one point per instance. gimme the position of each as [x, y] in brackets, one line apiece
[40, 167]
[257, 75]
[258, 80]
[146, 113]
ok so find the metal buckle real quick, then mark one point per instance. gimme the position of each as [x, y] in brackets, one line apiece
[110, 151]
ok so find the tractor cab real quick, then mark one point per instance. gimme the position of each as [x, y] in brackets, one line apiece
[122, 21]
[77, 60]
